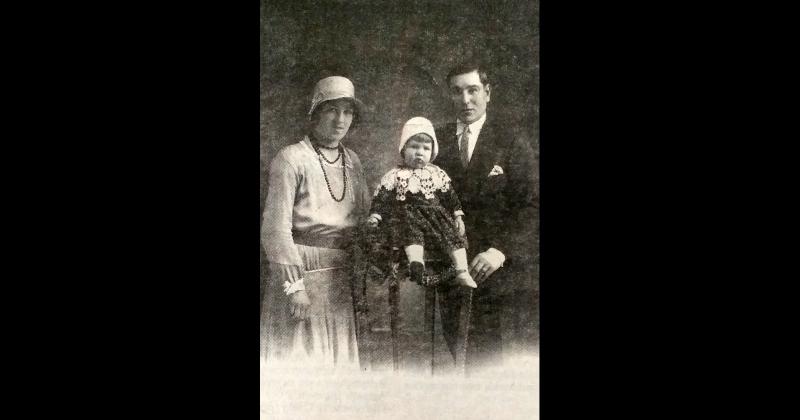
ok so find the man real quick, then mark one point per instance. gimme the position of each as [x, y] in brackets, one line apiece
[493, 173]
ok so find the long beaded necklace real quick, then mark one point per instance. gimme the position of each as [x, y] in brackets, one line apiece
[325, 174]
[319, 152]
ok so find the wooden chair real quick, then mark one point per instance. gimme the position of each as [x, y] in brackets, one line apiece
[437, 270]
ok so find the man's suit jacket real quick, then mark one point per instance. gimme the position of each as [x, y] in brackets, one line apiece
[498, 210]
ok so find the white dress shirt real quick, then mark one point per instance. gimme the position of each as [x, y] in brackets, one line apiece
[474, 132]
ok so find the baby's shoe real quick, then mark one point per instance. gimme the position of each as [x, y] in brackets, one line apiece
[464, 279]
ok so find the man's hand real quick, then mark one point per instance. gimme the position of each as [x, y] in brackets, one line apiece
[299, 303]
[485, 264]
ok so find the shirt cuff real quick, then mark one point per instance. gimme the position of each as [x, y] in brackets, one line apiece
[290, 288]
[282, 273]
[497, 256]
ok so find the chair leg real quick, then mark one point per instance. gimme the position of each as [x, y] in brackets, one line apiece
[430, 320]
[463, 332]
[393, 321]
[363, 322]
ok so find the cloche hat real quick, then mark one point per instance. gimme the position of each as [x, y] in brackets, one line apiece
[334, 87]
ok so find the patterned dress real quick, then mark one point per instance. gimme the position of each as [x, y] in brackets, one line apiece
[417, 206]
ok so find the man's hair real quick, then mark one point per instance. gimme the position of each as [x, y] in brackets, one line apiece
[469, 66]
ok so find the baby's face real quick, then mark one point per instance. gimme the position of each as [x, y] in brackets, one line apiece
[416, 153]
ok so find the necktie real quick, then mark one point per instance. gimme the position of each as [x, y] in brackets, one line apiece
[464, 146]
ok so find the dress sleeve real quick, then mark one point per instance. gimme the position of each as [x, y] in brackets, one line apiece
[447, 195]
[276, 229]
[381, 202]
[383, 197]
[360, 187]
[281, 273]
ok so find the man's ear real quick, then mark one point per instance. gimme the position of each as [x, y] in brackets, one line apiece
[488, 88]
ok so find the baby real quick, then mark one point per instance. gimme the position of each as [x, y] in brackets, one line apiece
[417, 203]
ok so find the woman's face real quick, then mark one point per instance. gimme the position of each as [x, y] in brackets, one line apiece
[416, 153]
[334, 119]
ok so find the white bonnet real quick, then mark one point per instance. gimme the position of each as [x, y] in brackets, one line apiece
[415, 126]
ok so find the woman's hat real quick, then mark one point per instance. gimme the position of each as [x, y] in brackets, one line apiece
[334, 87]
[419, 125]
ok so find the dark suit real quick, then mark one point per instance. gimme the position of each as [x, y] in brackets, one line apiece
[499, 213]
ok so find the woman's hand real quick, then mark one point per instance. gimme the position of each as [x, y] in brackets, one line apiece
[299, 303]
[460, 226]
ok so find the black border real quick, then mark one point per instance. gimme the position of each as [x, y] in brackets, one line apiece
[144, 256]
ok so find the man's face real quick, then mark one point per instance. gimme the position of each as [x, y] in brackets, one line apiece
[334, 120]
[469, 96]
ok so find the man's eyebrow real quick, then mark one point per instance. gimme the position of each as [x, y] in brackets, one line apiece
[467, 87]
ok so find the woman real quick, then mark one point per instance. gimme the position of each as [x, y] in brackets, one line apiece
[317, 196]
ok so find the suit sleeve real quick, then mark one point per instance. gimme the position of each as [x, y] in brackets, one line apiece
[514, 219]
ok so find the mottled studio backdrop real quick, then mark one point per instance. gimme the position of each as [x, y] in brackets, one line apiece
[397, 53]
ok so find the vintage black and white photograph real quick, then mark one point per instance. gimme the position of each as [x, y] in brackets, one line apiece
[399, 209]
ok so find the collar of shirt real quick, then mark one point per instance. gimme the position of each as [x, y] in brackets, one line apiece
[475, 131]
[474, 128]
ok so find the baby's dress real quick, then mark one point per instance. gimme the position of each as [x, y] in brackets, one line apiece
[417, 207]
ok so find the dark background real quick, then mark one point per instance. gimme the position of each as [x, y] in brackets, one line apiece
[397, 54]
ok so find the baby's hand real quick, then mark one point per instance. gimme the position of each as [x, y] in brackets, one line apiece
[460, 226]
[373, 221]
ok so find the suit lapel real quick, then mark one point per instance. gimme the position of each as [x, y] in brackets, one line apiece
[482, 156]
[469, 181]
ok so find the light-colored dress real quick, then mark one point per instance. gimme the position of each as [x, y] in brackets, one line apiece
[305, 234]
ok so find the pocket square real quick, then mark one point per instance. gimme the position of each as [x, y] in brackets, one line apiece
[496, 171]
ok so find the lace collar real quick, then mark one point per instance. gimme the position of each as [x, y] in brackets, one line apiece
[427, 181]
